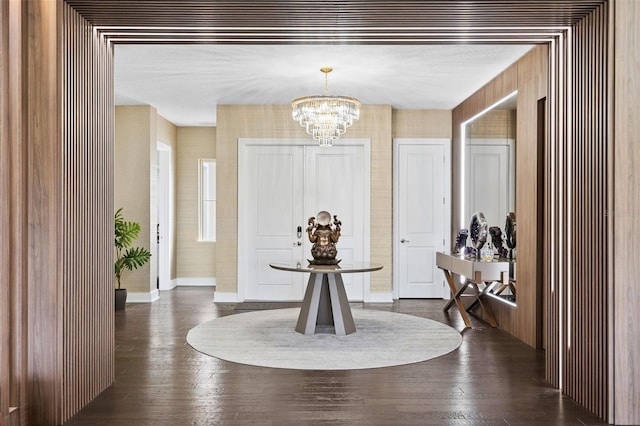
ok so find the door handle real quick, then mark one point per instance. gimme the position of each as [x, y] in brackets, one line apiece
[299, 232]
[297, 243]
[404, 241]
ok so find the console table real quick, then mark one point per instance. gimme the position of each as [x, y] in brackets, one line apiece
[325, 300]
[476, 272]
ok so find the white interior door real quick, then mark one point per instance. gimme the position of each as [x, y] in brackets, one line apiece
[489, 182]
[280, 187]
[421, 217]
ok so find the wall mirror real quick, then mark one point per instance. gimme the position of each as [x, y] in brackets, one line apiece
[489, 170]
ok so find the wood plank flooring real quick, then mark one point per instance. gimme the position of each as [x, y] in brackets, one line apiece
[492, 379]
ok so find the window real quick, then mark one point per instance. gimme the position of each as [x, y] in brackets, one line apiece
[207, 201]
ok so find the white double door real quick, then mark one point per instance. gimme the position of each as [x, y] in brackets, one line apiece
[280, 188]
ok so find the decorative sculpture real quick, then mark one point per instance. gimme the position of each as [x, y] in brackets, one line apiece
[497, 239]
[478, 231]
[510, 231]
[461, 240]
[324, 237]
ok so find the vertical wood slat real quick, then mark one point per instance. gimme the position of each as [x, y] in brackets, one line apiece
[87, 206]
[625, 217]
[6, 366]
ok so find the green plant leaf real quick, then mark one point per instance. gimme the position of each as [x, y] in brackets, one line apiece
[135, 257]
[127, 257]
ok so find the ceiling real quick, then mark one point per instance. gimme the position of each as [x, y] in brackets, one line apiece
[185, 83]
[186, 56]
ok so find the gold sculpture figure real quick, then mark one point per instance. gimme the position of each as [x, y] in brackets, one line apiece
[324, 238]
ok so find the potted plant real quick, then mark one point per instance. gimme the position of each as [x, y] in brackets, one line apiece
[127, 257]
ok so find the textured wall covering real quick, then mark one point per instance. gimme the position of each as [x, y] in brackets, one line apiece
[194, 259]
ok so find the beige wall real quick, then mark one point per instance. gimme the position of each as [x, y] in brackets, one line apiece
[194, 259]
[413, 123]
[135, 136]
[138, 129]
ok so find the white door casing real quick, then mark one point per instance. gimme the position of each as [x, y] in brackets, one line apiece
[281, 183]
[164, 206]
[421, 216]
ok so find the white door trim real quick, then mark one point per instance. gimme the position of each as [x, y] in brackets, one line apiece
[164, 191]
[243, 191]
[396, 202]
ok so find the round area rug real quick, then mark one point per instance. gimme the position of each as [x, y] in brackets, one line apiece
[268, 339]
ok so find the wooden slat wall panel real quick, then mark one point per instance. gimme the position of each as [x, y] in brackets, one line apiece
[56, 288]
[585, 360]
[577, 354]
[554, 210]
[41, 103]
[87, 213]
[332, 13]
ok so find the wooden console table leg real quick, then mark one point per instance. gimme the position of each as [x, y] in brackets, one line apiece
[310, 305]
[455, 298]
[342, 318]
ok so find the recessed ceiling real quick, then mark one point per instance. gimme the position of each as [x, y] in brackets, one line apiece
[185, 83]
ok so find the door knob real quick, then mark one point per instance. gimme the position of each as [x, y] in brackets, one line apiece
[297, 243]
[404, 241]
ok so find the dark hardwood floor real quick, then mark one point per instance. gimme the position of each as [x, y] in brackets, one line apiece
[492, 379]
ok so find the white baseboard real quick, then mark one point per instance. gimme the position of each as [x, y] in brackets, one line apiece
[219, 297]
[379, 298]
[134, 297]
[195, 282]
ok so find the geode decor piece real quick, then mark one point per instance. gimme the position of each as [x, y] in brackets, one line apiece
[461, 241]
[324, 237]
[497, 239]
[478, 230]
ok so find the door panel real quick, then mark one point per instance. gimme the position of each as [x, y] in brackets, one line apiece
[421, 219]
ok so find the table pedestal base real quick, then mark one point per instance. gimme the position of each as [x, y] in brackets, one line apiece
[325, 303]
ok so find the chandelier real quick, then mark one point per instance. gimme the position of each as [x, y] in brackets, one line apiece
[326, 117]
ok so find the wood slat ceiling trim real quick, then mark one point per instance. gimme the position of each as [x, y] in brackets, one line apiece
[402, 21]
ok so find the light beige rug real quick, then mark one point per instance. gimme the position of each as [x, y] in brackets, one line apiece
[268, 339]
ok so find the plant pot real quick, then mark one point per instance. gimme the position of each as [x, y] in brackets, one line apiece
[121, 298]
